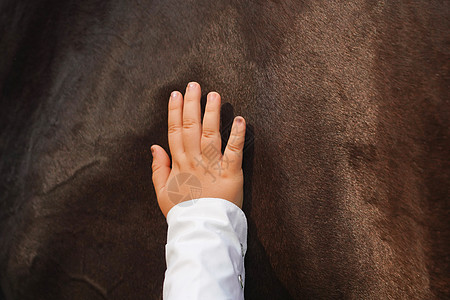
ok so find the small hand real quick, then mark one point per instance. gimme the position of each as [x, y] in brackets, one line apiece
[199, 169]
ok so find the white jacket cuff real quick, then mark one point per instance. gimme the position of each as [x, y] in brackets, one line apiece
[206, 245]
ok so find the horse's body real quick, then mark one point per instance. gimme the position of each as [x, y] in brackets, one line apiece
[346, 177]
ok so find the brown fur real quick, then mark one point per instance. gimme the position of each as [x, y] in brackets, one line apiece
[346, 187]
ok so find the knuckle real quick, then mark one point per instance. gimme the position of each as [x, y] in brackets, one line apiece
[188, 165]
[174, 128]
[227, 174]
[210, 108]
[235, 136]
[189, 98]
[209, 133]
[231, 175]
[155, 168]
[192, 165]
[234, 147]
[176, 162]
[173, 106]
[189, 123]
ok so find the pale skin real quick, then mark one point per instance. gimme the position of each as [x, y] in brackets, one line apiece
[190, 144]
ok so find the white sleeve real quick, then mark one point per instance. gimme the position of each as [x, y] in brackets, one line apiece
[206, 245]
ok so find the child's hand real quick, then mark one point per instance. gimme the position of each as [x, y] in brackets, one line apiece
[199, 169]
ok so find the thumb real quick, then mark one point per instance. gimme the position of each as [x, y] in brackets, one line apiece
[160, 167]
[235, 145]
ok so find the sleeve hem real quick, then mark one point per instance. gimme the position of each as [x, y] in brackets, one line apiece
[212, 208]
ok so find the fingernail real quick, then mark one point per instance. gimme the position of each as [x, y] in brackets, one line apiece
[192, 85]
[174, 94]
[212, 97]
[239, 120]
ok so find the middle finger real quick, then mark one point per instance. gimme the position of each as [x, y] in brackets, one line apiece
[191, 120]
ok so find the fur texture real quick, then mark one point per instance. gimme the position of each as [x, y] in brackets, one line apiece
[346, 168]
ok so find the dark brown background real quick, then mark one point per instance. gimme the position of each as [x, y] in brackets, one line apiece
[346, 167]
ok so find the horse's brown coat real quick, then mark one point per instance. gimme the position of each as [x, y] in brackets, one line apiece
[346, 187]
